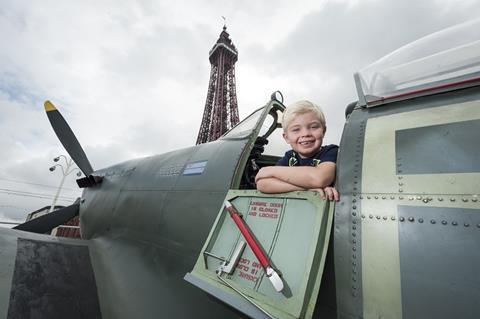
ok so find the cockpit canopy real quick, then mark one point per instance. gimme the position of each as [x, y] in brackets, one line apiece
[441, 60]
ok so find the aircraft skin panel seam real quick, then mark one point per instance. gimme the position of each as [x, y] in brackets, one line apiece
[348, 229]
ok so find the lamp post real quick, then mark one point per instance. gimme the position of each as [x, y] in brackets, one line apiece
[65, 172]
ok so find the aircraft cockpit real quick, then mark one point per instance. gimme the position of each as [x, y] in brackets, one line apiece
[268, 146]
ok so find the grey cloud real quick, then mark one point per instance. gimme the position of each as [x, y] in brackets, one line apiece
[334, 42]
[339, 37]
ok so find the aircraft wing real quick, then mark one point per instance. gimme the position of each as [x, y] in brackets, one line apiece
[40, 274]
[107, 277]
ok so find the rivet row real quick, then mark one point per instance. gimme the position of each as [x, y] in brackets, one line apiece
[412, 220]
[425, 199]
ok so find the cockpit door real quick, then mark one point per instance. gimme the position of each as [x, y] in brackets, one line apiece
[291, 229]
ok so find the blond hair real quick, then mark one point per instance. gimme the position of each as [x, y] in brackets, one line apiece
[299, 108]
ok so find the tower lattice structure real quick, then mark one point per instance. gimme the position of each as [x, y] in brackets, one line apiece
[221, 109]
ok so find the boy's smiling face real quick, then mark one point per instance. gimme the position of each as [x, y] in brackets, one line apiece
[305, 134]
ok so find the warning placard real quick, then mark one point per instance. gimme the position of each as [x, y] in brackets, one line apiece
[265, 209]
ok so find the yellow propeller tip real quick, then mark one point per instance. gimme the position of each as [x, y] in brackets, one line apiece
[49, 106]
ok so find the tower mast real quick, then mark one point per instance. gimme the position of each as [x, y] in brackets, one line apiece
[221, 109]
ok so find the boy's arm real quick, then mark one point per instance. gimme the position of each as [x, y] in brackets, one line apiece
[305, 177]
[274, 185]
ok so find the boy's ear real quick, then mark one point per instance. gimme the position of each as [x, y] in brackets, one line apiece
[285, 137]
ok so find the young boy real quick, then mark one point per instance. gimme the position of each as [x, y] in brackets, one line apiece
[309, 165]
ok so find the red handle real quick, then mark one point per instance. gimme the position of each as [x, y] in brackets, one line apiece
[248, 236]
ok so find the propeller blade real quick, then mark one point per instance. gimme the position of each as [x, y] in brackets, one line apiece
[47, 222]
[67, 138]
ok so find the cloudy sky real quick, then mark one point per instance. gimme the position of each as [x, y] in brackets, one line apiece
[131, 76]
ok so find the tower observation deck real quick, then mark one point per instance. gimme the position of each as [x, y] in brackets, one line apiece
[221, 109]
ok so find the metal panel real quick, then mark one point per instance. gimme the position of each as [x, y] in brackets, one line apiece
[385, 187]
[436, 149]
[8, 252]
[53, 280]
[380, 158]
[440, 260]
[138, 280]
[236, 301]
[347, 230]
[293, 229]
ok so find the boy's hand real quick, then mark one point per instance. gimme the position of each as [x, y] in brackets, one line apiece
[329, 193]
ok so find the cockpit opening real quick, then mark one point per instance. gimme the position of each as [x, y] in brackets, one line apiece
[267, 148]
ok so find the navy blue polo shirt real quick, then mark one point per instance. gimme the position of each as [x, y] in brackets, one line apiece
[327, 153]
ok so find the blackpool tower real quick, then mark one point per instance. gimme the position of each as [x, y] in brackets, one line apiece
[221, 109]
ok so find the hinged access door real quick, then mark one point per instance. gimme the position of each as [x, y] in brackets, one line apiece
[292, 230]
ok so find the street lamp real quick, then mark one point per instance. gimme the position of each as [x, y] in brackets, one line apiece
[66, 170]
